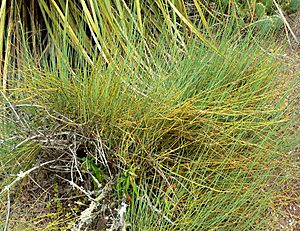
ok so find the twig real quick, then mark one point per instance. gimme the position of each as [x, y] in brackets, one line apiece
[285, 21]
[86, 216]
[45, 191]
[26, 140]
[8, 212]
[88, 194]
[120, 224]
[12, 108]
[22, 174]
[24, 105]
[10, 138]
[74, 161]
[100, 150]
[157, 210]
[67, 120]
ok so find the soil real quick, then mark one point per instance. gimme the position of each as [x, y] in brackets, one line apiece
[288, 202]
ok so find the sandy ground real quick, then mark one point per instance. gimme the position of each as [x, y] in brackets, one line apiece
[289, 203]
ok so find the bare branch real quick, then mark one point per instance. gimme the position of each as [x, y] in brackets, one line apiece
[88, 194]
[22, 175]
[13, 109]
[8, 212]
[86, 216]
[285, 21]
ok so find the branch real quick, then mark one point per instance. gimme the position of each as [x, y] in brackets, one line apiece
[22, 175]
[86, 216]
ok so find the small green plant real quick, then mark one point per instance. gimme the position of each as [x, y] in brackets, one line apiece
[277, 21]
[268, 3]
[260, 10]
[59, 207]
[100, 176]
[127, 185]
[266, 20]
[270, 23]
[294, 5]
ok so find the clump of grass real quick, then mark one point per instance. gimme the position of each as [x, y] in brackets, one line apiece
[197, 129]
[186, 130]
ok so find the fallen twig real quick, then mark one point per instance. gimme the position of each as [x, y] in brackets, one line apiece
[285, 21]
[8, 212]
[157, 210]
[22, 175]
[119, 223]
[88, 194]
[86, 216]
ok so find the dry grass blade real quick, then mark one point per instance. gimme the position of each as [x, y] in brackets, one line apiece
[203, 19]
[285, 21]
[8, 47]
[139, 14]
[71, 33]
[2, 34]
[93, 25]
[210, 44]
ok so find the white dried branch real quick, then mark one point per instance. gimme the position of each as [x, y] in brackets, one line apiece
[8, 212]
[28, 139]
[22, 175]
[99, 148]
[64, 120]
[42, 138]
[157, 210]
[119, 223]
[13, 109]
[73, 148]
[11, 138]
[23, 105]
[10, 105]
[285, 21]
[88, 194]
[86, 216]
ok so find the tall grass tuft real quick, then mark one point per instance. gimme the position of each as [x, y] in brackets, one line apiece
[185, 122]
